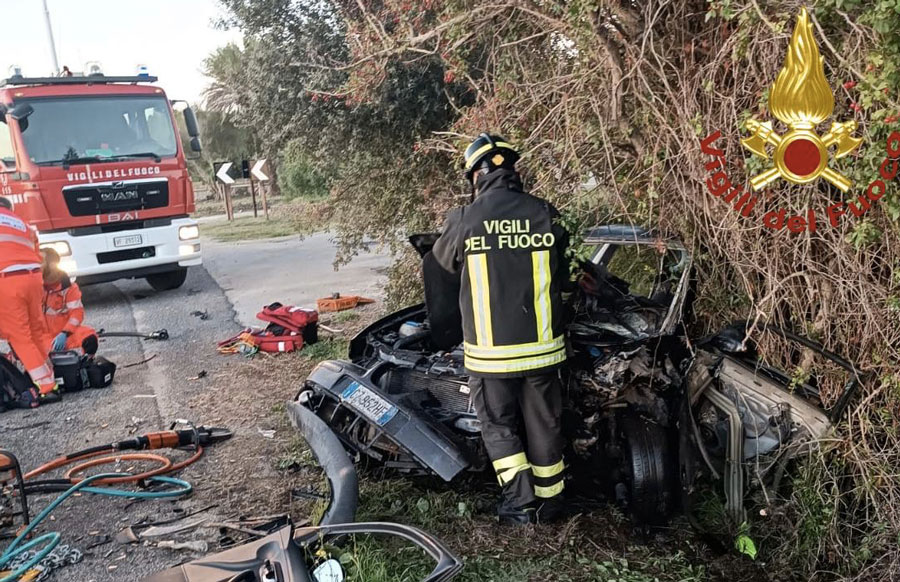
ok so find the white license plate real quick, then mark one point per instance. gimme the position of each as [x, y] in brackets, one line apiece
[373, 406]
[128, 241]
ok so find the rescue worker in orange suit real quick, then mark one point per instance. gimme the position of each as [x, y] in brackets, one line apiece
[509, 252]
[21, 316]
[64, 311]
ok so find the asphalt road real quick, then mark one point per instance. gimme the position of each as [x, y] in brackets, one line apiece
[157, 382]
[255, 273]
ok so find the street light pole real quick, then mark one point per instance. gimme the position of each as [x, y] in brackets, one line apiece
[50, 36]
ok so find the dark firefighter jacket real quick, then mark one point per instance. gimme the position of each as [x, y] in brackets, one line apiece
[510, 253]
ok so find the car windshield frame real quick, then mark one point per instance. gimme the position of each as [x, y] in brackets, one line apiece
[604, 244]
[120, 127]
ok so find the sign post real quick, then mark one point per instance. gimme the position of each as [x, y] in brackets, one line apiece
[227, 181]
[256, 172]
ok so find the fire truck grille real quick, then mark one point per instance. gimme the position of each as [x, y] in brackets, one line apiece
[109, 197]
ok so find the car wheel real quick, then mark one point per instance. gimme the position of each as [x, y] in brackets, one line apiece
[168, 280]
[649, 470]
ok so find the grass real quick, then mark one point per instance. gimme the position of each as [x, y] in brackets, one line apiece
[249, 228]
[326, 349]
[345, 316]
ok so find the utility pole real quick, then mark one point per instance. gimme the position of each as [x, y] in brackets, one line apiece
[50, 35]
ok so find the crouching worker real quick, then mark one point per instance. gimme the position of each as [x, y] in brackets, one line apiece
[21, 321]
[63, 310]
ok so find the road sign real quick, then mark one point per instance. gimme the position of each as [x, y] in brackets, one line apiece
[222, 174]
[257, 170]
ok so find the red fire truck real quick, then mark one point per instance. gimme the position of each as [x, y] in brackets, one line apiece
[96, 164]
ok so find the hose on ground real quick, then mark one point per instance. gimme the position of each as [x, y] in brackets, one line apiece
[51, 540]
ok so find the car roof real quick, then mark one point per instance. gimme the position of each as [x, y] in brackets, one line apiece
[627, 234]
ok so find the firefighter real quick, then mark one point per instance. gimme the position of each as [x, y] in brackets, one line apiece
[21, 318]
[64, 311]
[509, 252]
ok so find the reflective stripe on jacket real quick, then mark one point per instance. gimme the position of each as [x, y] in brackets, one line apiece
[63, 309]
[510, 254]
[18, 242]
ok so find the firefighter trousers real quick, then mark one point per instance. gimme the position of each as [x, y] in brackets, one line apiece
[22, 325]
[503, 406]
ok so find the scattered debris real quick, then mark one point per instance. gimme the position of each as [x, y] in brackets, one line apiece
[201, 375]
[160, 531]
[203, 315]
[331, 329]
[266, 433]
[144, 361]
[193, 546]
[127, 536]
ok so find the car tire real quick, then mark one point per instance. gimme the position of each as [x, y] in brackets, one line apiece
[168, 280]
[649, 469]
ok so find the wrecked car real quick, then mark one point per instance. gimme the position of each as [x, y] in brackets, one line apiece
[647, 413]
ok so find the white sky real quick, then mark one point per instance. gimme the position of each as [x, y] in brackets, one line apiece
[171, 37]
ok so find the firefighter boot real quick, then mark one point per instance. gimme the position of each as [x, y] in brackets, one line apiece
[550, 510]
[516, 515]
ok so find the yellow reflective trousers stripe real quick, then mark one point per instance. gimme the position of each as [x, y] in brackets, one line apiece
[481, 298]
[510, 462]
[551, 491]
[548, 470]
[508, 467]
[541, 265]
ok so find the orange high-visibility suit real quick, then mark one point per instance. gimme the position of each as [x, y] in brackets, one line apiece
[21, 291]
[64, 312]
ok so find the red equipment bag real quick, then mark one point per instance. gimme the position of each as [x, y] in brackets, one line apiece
[289, 317]
[267, 341]
[287, 320]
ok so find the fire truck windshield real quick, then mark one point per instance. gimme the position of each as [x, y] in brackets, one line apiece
[73, 130]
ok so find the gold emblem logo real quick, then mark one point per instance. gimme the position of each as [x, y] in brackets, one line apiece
[801, 99]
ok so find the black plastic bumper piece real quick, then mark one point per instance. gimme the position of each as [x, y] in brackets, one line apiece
[409, 430]
[333, 459]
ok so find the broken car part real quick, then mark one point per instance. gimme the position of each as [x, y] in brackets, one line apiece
[748, 420]
[290, 555]
[334, 461]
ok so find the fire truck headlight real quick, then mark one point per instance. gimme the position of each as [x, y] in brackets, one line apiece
[68, 265]
[189, 232]
[61, 247]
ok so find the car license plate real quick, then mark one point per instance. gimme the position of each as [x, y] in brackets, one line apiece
[127, 241]
[373, 406]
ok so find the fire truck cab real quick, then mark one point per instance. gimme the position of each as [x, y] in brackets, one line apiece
[96, 165]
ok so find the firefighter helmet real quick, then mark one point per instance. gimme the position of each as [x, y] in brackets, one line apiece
[490, 150]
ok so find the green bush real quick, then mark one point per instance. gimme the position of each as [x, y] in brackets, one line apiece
[298, 177]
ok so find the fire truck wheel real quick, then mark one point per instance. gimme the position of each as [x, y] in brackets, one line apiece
[168, 280]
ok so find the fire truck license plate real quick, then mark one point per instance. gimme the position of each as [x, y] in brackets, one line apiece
[373, 406]
[128, 241]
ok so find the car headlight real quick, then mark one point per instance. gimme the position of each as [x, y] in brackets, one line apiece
[61, 247]
[189, 232]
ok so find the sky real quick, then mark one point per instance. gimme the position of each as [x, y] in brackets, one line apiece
[171, 37]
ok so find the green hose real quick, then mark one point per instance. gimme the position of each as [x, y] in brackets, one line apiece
[52, 539]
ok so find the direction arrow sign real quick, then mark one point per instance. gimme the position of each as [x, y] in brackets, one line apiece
[257, 170]
[222, 174]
